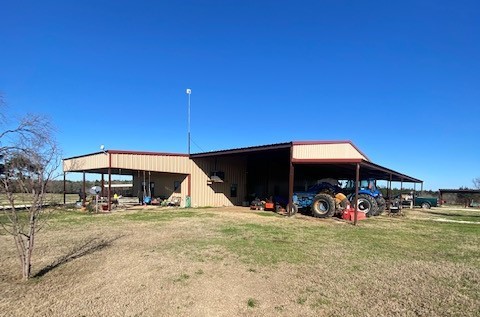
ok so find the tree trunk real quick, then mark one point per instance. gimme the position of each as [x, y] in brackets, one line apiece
[31, 240]
[25, 244]
[26, 256]
[21, 252]
[26, 267]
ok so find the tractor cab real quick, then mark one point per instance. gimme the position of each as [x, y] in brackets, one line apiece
[371, 185]
[367, 186]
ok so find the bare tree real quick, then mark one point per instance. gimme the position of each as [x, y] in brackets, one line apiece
[29, 157]
[476, 182]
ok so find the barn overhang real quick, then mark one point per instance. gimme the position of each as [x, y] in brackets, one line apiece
[119, 162]
[332, 158]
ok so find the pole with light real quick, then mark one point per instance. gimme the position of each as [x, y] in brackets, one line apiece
[189, 92]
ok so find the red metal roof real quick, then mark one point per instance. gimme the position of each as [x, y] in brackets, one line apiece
[245, 149]
[129, 152]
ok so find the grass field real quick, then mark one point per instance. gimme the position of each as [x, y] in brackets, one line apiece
[22, 199]
[149, 261]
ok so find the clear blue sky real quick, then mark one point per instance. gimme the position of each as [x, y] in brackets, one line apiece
[400, 79]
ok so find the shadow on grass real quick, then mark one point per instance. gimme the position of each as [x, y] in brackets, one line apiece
[89, 247]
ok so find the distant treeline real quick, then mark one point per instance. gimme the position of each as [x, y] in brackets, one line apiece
[450, 198]
[397, 191]
[74, 187]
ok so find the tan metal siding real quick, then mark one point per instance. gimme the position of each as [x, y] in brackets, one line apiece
[326, 151]
[218, 194]
[158, 163]
[164, 185]
[168, 164]
[86, 162]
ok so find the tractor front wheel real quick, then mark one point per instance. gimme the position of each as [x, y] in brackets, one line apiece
[366, 204]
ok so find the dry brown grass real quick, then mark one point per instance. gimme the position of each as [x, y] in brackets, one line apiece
[215, 264]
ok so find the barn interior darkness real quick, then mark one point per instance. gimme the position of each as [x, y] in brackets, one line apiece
[267, 174]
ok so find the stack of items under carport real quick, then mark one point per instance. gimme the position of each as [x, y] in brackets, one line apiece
[258, 204]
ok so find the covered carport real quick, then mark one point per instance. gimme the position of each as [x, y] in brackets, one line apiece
[143, 167]
[347, 170]
[282, 168]
[339, 160]
[353, 169]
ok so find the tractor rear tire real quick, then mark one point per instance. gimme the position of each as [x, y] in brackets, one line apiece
[366, 204]
[382, 204]
[323, 206]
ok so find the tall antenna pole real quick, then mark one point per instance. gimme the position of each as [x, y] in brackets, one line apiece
[189, 92]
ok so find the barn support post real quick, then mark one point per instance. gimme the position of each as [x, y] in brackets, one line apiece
[401, 198]
[389, 190]
[64, 188]
[357, 181]
[109, 182]
[84, 194]
[291, 179]
[103, 185]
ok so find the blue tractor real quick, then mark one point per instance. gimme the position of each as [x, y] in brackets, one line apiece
[370, 199]
[324, 199]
